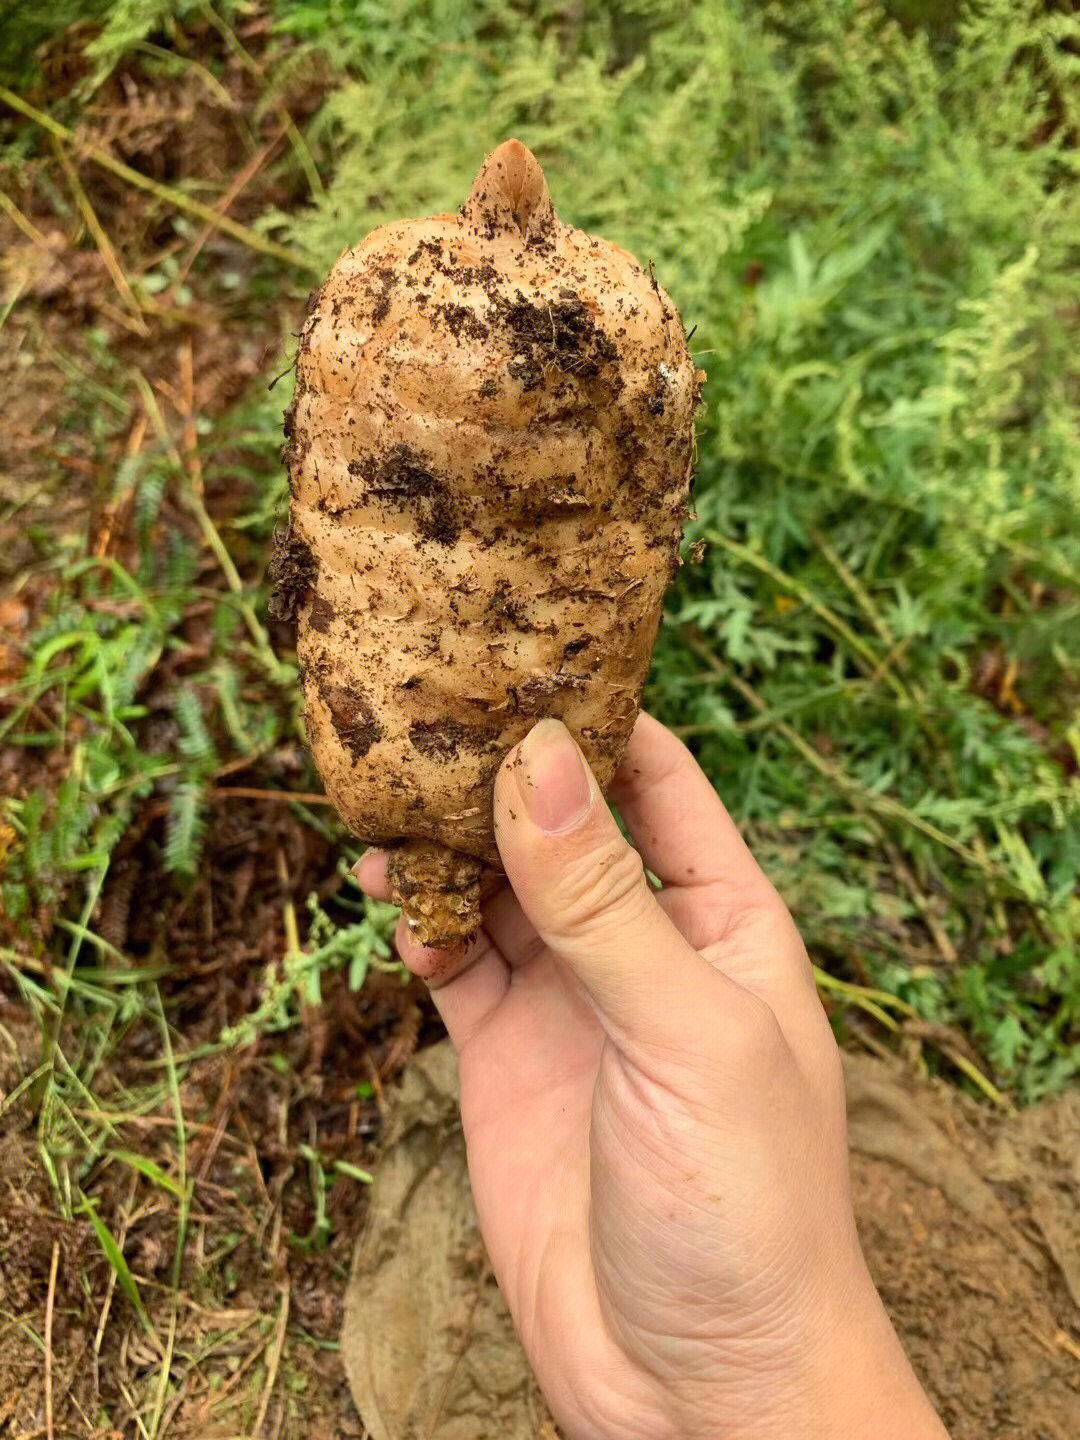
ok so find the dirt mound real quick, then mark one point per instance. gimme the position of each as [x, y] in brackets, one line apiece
[970, 1220]
[971, 1225]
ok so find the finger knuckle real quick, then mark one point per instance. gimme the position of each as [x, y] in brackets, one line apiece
[756, 1036]
[607, 884]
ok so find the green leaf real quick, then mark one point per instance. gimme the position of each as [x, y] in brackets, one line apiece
[148, 1168]
[115, 1257]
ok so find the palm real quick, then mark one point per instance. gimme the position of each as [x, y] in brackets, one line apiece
[527, 1080]
[529, 1074]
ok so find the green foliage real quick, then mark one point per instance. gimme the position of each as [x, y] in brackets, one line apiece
[27, 24]
[354, 948]
[869, 210]
[128, 22]
[873, 226]
[93, 658]
[121, 25]
[87, 662]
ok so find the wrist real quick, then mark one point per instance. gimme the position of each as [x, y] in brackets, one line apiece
[854, 1383]
[868, 1387]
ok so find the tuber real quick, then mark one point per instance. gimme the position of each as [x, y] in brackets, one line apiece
[490, 452]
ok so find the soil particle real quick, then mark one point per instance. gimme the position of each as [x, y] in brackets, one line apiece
[425, 247]
[462, 322]
[353, 719]
[561, 335]
[380, 292]
[504, 604]
[534, 695]
[321, 615]
[404, 474]
[441, 739]
[441, 524]
[293, 573]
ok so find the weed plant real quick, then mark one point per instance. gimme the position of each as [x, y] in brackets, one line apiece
[873, 227]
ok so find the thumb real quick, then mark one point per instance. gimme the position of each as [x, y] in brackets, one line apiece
[584, 889]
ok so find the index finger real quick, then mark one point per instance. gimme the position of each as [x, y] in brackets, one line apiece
[678, 821]
[714, 888]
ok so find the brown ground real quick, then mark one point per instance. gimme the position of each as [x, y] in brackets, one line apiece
[969, 1219]
[970, 1223]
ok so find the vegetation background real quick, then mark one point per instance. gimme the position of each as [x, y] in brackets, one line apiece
[867, 210]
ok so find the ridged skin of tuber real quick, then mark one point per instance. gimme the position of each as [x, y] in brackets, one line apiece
[490, 454]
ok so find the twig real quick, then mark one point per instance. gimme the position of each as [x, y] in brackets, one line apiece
[977, 1078]
[941, 936]
[101, 240]
[183, 1212]
[210, 80]
[855, 585]
[9, 305]
[292, 932]
[274, 1363]
[50, 1302]
[168, 193]
[282, 1415]
[282, 797]
[27, 226]
[260, 639]
[181, 1141]
[256, 68]
[118, 502]
[125, 1221]
[1042, 559]
[874, 1002]
[861, 649]
[1065, 1342]
[240, 181]
[129, 1401]
[166, 1367]
[186, 407]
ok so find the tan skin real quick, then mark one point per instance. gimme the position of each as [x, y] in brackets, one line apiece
[654, 1111]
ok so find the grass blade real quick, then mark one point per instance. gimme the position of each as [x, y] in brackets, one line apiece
[115, 1257]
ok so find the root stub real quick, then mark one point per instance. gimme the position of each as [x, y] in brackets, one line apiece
[438, 891]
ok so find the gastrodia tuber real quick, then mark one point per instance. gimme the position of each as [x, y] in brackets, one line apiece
[490, 453]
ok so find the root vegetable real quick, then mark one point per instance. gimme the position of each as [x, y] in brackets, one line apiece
[490, 453]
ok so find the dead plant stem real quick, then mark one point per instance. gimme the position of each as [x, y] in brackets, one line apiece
[167, 193]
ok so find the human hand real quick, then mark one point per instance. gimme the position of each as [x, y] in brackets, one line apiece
[653, 1107]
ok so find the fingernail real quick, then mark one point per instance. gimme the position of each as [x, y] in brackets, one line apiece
[552, 779]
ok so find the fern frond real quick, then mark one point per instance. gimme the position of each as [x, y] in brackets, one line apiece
[195, 741]
[185, 827]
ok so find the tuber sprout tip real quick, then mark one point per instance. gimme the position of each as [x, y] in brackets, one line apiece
[509, 192]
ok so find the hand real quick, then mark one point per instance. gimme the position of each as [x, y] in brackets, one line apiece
[653, 1106]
